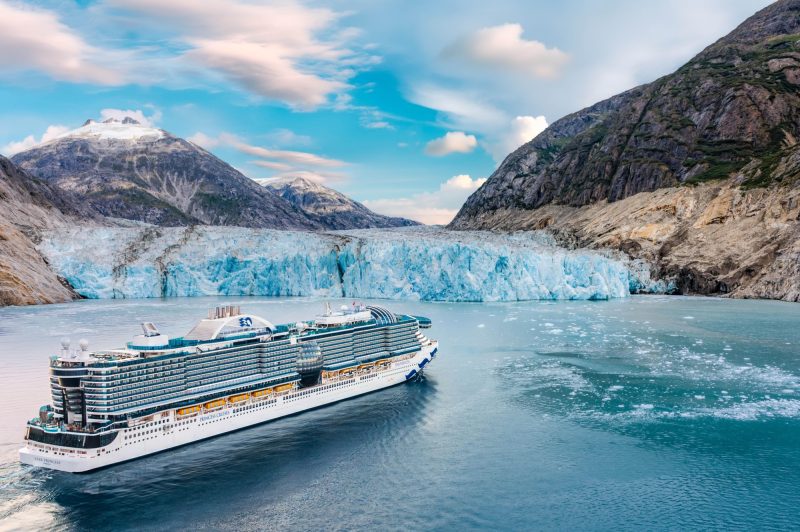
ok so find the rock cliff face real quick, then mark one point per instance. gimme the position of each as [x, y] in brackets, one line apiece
[126, 170]
[28, 207]
[727, 123]
[714, 238]
[332, 209]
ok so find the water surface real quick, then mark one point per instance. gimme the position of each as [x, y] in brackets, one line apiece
[642, 413]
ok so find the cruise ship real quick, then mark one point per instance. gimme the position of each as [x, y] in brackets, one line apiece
[231, 371]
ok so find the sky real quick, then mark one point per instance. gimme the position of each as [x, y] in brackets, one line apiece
[404, 105]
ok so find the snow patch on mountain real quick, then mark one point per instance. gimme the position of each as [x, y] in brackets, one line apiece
[410, 263]
[113, 129]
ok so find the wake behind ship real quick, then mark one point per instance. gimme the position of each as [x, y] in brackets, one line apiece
[231, 371]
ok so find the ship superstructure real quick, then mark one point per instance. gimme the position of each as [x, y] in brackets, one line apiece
[232, 370]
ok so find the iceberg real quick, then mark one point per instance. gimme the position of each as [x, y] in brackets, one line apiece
[406, 263]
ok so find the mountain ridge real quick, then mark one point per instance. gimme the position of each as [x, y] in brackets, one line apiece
[126, 170]
[332, 208]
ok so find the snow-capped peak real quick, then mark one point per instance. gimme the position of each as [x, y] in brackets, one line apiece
[114, 129]
[296, 182]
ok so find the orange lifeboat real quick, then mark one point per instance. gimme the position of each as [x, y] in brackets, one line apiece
[261, 394]
[212, 405]
[189, 410]
[284, 387]
[238, 398]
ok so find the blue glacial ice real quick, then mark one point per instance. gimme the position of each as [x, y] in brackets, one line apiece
[409, 263]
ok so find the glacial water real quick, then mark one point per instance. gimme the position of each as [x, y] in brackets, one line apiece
[647, 413]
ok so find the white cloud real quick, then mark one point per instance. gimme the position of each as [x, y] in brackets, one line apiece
[437, 207]
[14, 147]
[35, 39]
[136, 114]
[452, 142]
[522, 130]
[462, 109]
[283, 51]
[503, 48]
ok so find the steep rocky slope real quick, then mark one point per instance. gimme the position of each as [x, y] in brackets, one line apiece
[28, 207]
[728, 120]
[126, 170]
[332, 209]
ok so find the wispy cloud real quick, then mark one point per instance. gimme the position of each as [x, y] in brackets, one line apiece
[272, 165]
[284, 51]
[297, 157]
[287, 137]
[34, 39]
[285, 162]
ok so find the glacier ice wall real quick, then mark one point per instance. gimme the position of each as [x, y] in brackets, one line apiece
[410, 263]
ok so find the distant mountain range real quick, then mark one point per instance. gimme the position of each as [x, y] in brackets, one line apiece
[122, 169]
[698, 172]
[330, 208]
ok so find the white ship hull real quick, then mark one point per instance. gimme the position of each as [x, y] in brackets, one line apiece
[167, 430]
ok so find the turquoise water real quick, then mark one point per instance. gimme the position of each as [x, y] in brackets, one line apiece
[649, 413]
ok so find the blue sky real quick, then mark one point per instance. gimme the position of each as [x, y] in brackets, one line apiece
[404, 105]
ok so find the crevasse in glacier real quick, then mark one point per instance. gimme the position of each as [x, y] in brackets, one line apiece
[410, 263]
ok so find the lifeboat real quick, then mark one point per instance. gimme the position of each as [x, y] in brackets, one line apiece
[238, 398]
[189, 410]
[211, 405]
[366, 367]
[284, 387]
[383, 363]
[261, 394]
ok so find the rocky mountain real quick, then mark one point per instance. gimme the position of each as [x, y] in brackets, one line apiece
[30, 206]
[720, 133]
[332, 209]
[126, 170]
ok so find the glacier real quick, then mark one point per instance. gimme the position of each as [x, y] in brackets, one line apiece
[408, 263]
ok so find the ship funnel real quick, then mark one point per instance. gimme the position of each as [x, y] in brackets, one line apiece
[65, 346]
[83, 354]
